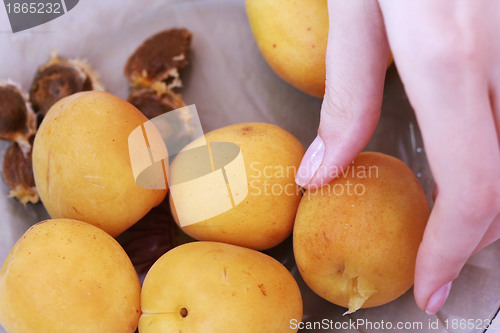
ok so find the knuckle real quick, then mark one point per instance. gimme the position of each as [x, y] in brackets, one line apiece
[337, 102]
[458, 46]
[450, 54]
[345, 107]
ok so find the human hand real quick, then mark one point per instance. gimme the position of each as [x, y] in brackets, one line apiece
[448, 57]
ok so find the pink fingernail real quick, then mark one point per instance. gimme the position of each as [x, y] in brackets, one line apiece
[310, 162]
[437, 299]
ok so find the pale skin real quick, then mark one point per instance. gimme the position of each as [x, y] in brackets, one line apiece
[447, 53]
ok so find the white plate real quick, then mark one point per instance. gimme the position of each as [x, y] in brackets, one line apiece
[230, 82]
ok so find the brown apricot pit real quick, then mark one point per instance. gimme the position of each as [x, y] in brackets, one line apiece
[18, 174]
[59, 78]
[17, 119]
[159, 59]
[154, 102]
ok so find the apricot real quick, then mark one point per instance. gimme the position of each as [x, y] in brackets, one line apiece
[68, 276]
[292, 37]
[356, 239]
[82, 166]
[264, 201]
[216, 287]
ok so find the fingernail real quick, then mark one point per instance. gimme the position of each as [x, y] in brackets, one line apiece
[437, 299]
[310, 162]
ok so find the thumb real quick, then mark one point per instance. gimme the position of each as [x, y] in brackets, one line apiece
[356, 62]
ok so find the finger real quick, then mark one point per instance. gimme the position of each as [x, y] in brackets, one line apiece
[356, 63]
[444, 250]
[464, 157]
[446, 85]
